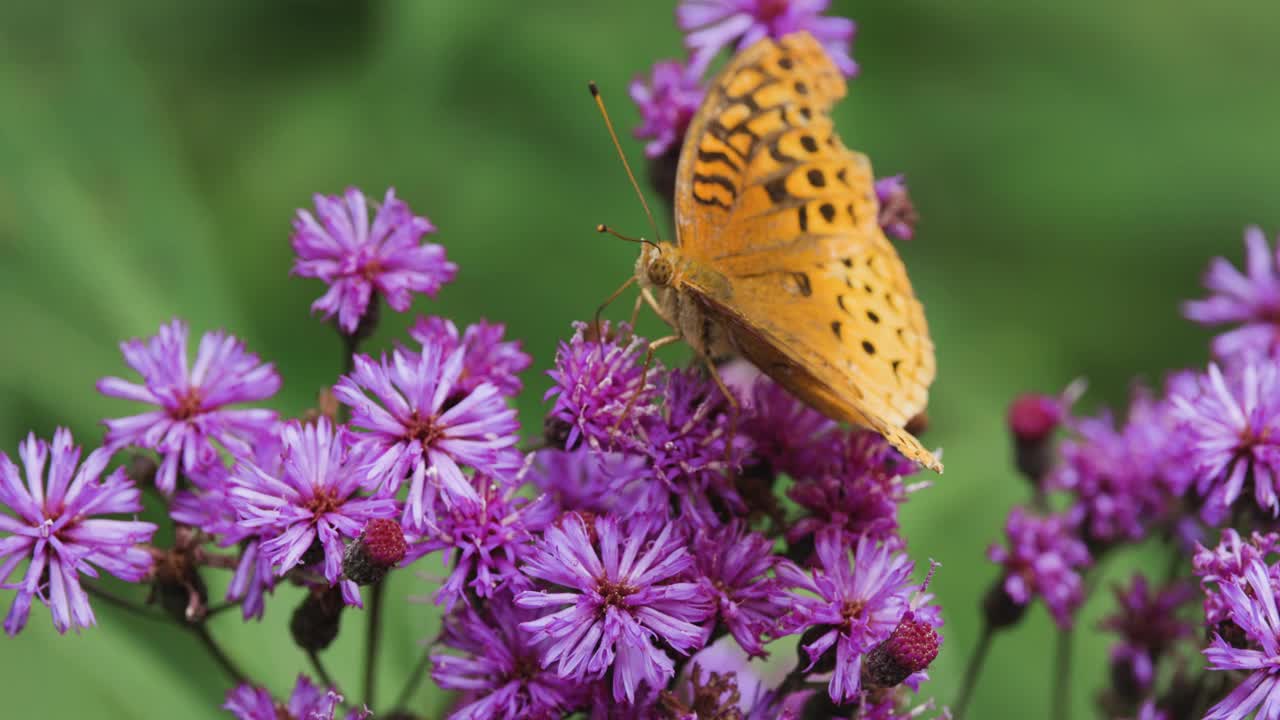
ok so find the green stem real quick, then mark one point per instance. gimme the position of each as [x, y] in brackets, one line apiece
[414, 680]
[321, 671]
[219, 655]
[974, 669]
[371, 643]
[1062, 676]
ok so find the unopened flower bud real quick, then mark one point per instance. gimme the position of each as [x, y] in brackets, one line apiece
[315, 622]
[1000, 610]
[378, 549]
[1032, 421]
[898, 216]
[910, 649]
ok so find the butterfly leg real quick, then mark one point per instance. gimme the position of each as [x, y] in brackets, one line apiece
[644, 377]
[609, 300]
[734, 409]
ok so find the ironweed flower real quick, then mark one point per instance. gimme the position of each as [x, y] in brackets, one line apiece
[411, 431]
[1251, 298]
[54, 525]
[1233, 434]
[192, 401]
[667, 101]
[1044, 558]
[597, 385]
[487, 359]
[312, 499]
[850, 605]
[734, 565]
[356, 259]
[1251, 605]
[712, 25]
[498, 669]
[307, 702]
[619, 598]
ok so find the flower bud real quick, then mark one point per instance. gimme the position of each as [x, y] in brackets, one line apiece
[910, 649]
[1000, 610]
[315, 622]
[1032, 421]
[378, 549]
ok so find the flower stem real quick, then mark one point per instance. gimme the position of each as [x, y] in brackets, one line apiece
[412, 682]
[371, 643]
[974, 669]
[219, 655]
[1062, 676]
[122, 603]
[321, 671]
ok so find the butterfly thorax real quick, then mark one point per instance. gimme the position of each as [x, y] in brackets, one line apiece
[666, 274]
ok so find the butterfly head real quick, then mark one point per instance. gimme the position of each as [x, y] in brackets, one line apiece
[657, 265]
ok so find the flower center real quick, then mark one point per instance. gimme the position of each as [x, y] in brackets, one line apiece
[323, 501]
[188, 406]
[851, 610]
[371, 269]
[613, 594]
[424, 430]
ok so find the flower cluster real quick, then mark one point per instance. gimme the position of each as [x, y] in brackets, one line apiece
[1193, 465]
[638, 561]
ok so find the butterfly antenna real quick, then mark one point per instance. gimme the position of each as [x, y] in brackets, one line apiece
[602, 228]
[595, 94]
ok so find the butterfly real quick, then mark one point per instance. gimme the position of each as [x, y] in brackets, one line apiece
[779, 255]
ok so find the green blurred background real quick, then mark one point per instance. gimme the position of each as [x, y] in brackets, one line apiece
[1075, 164]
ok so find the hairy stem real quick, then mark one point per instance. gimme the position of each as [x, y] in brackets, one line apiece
[973, 671]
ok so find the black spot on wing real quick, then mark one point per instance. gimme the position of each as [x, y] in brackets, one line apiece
[802, 283]
[816, 178]
[828, 212]
[777, 189]
[835, 328]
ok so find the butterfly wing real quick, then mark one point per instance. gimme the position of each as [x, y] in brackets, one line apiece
[771, 200]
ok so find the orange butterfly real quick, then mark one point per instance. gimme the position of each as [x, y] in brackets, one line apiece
[780, 257]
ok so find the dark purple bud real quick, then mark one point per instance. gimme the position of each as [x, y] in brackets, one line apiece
[315, 622]
[910, 649]
[378, 549]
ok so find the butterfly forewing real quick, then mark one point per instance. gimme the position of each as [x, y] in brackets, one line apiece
[769, 198]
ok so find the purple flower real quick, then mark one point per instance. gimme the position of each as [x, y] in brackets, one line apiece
[858, 493]
[307, 702]
[356, 260]
[788, 435]
[484, 541]
[734, 565]
[312, 499]
[687, 440]
[53, 524]
[208, 505]
[1252, 299]
[596, 381]
[898, 215]
[617, 601]
[597, 482]
[1044, 557]
[1113, 480]
[1252, 607]
[712, 25]
[857, 605]
[1233, 427]
[1148, 625]
[1225, 564]
[499, 669]
[488, 358]
[411, 430]
[667, 101]
[192, 401]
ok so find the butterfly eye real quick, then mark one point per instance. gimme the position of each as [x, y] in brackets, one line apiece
[660, 272]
